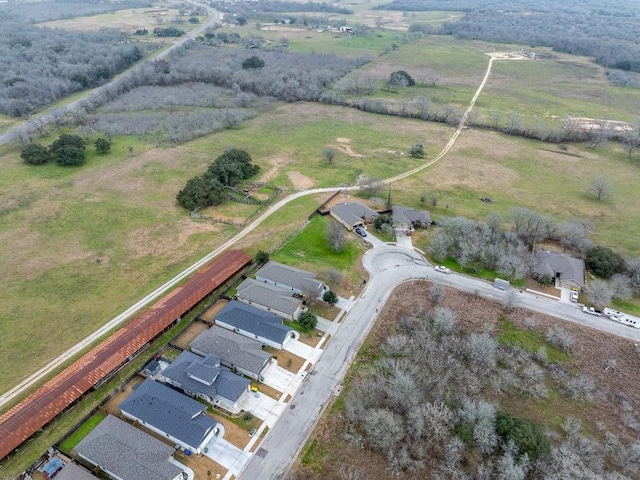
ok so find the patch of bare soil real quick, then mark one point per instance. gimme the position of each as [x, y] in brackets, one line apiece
[347, 150]
[232, 432]
[203, 467]
[619, 388]
[286, 360]
[191, 332]
[508, 56]
[113, 405]
[312, 339]
[279, 28]
[300, 181]
[213, 310]
[157, 241]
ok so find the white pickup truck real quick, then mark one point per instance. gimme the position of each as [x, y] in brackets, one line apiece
[592, 311]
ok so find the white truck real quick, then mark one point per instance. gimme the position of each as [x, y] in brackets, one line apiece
[592, 311]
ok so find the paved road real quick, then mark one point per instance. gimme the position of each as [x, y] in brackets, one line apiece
[51, 115]
[389, 267]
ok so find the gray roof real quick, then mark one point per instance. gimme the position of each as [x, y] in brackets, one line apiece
[255, 321]
[127, 452]
[409, 215]
[269, 296]
[71, 471]
[551, 263]
[232, 348]
[169, 411]
[353, 212]
[291, 276]
[189, 368]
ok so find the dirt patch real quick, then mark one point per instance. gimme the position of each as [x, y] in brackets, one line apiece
[232, 432]
[278, 28]
[209, 314]
[312, 339]
[191, 332]
[343, 140]
[300, 181]
[509, 56]
[113, 405]
[347, 150]
[267, 390]
[203, 467]
[286, 360]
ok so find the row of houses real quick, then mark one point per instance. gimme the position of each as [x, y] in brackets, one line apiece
[214, 371]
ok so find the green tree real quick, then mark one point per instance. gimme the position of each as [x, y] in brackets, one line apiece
[253, 62]
[330, 297]
[102, 145]
[604, 262]
[308, 321]
[35, 154]
[231, 167]
[381, 221]
[194, 20]
[199, 192]
[529, 437]
[68, 150]
[262, 257]
[417, 150]
[241, 21]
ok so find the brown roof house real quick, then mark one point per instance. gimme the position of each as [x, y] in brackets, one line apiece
[565, 270]
[353, 214]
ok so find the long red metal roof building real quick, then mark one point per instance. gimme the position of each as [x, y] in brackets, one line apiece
[27, 417]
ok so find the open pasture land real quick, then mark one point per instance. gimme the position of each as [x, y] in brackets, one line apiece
[127, 21]
[536, 175]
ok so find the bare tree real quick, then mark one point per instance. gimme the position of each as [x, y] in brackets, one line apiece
[600, 188]
[336, 237]
[599, 292]
[559, 337]
[436, 293]
[444, 320]
[633, 267]
[384, 428]
[334, 276]
[621, 286]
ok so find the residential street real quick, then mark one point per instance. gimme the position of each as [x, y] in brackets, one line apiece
[389, 266]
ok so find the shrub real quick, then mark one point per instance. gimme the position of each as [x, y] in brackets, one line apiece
[529, 437]
[252, 62]
[102, 145]
[604, 262]
[307, 321]
[262, 257]
[559, 337]
[35, 154]
[330, 297]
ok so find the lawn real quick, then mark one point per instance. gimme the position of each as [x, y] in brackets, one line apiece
[69, 444]
[529, 340]
[309, 250]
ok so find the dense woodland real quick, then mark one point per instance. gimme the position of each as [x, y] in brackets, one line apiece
[609, 32]
[47, 11]
[43, 65]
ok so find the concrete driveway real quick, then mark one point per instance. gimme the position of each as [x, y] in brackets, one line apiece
[277, 377]
[402, 239]
[259, 404]
[227, 455]
[303, 350]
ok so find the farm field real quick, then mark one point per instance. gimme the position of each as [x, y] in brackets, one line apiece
[127, 21]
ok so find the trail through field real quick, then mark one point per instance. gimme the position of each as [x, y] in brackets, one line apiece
[157, 293]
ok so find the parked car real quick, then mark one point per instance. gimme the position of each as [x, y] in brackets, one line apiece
[574, 296]
[443, 269]
[592, 311]
[360, 232]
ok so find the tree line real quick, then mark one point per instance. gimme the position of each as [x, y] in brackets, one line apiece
[35, 12]
[609, 32]
[43, 65]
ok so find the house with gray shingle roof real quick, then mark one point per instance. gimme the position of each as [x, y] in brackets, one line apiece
[565, 270]
[407, 218]
[171, 414]
[353, 214]
[237, 352]
[255, 323]
[270, 298]
[291, 278]
[205, 378]
[127, 453]
[71, 471]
